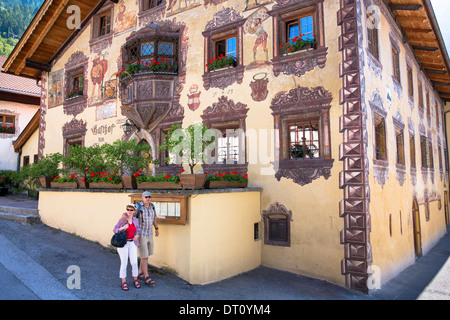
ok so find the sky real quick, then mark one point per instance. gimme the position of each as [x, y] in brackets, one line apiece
[442, 11]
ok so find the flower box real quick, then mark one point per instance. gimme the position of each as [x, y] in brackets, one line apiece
[105, 185]
[63, 185]
[226, 184]
[193, 181]
[159, 185]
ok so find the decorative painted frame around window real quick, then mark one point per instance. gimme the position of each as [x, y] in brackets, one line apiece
[277, 225]
[76, 65]
[301, 104]
[102, 39]
[226, 23]
[302, 61]
[226, 114]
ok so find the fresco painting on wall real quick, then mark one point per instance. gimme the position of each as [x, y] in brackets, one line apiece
[98, 71]
[55, 88]
[177, 6]
[110, 90]
[125, 19]
[254, 27]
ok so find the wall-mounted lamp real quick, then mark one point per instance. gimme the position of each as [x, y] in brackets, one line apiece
[127, 126]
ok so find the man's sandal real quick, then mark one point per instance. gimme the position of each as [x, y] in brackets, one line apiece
[149, 280]
[124, 286]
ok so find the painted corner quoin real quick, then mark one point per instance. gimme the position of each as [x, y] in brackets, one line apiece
[354, 208]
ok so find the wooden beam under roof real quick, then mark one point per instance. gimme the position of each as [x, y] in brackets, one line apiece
[406, 7]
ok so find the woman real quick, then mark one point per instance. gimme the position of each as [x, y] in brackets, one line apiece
[131, 224]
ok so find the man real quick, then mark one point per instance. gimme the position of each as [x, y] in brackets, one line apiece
[146, 214]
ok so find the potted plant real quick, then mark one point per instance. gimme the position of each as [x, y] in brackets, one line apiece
[163, 181]
[227, 180]
[188, 145]
[83, 161]
[65, 182]
[127, 157]
[47, 168]
[27, 177]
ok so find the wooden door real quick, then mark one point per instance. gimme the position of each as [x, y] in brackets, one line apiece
[447, 218]
[416, 228]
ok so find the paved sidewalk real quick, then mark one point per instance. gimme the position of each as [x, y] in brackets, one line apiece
[35, 263]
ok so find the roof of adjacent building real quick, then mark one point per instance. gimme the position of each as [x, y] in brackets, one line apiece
[16, 84]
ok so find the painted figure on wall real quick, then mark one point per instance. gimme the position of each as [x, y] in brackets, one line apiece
[261, 38]
[254, 27]
[125, 19]
[55, 88]
[98, 71]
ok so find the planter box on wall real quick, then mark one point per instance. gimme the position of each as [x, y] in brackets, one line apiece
[64, 185]
[225, 184]
[159, 185]
[105, 185]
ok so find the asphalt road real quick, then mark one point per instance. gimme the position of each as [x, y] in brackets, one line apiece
[42, 263]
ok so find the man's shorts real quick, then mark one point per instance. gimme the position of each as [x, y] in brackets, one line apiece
[145, 246]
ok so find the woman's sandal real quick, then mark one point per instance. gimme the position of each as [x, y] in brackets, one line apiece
[124, 286]
[137, 284]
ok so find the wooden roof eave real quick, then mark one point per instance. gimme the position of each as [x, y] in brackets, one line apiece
[22, 62]
[430, 52]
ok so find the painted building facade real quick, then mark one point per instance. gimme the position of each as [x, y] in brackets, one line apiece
[345, 136]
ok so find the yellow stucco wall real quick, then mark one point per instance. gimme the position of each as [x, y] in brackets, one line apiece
[391, 235]
[216, 242]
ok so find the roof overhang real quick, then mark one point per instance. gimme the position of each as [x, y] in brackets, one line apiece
[47, 33]
[31, 127]
[420, 28]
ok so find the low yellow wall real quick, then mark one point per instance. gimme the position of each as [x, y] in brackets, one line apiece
[217, 241]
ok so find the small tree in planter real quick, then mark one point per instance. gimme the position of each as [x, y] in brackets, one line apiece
[84, 160]
[126, 158]
[188, 145]
[47, 168]
[26, 177]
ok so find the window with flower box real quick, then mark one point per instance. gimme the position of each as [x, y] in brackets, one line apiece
[7, 123]
[299, 38]
[301, 116]
[76, 72]
[228, 120]
[223, 39]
